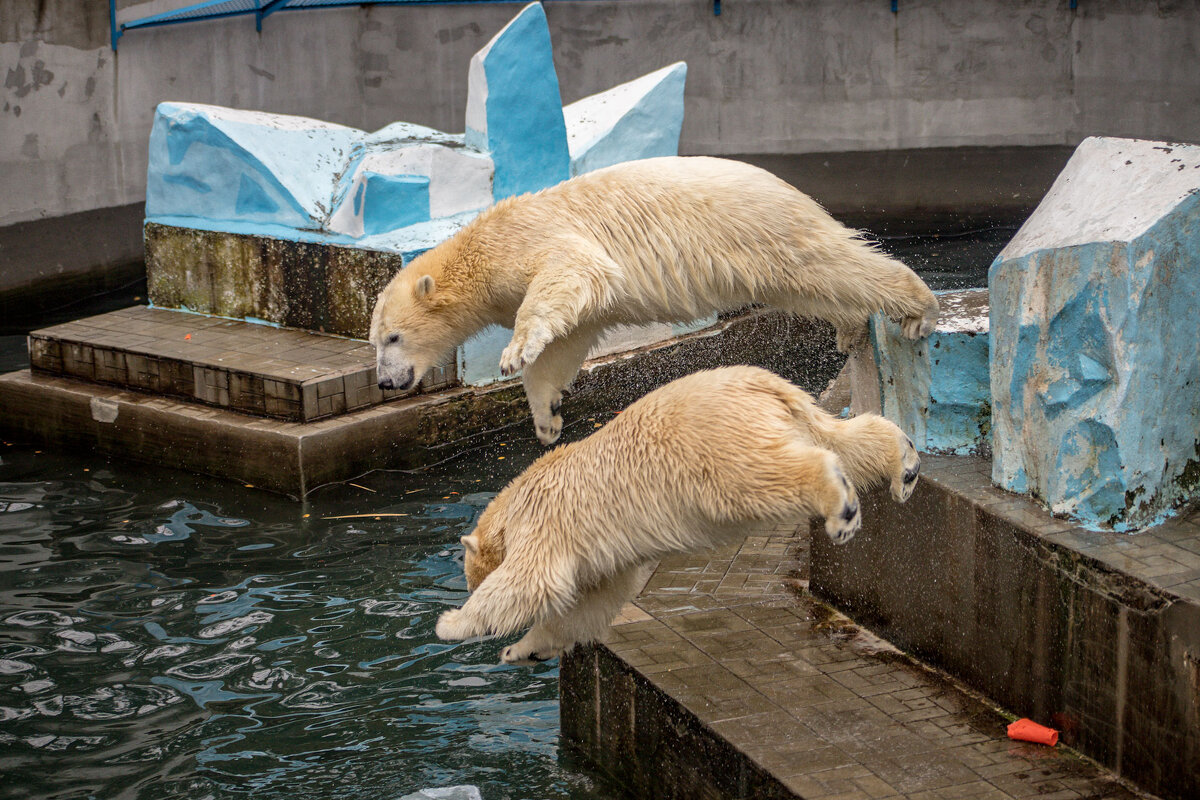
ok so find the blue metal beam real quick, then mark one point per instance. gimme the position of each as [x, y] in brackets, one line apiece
[265, 10]
[261, 9]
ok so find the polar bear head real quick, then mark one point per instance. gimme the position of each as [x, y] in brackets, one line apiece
[483, 549]
[418, 321]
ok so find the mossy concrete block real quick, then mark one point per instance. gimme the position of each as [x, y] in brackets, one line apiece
[308, 285]
[1095, 370]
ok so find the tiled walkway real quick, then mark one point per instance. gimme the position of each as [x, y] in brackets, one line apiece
[831, 712]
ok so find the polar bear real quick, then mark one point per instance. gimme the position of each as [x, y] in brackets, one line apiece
[657, 240]
[685, 467]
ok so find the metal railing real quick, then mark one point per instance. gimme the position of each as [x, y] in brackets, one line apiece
[260, 9]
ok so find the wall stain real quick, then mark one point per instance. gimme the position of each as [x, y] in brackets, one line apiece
[447, 35]
[262, 73]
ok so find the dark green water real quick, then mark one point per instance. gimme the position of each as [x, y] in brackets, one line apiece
[167, 636]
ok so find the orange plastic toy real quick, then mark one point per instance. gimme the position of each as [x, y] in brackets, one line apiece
[1026, 730]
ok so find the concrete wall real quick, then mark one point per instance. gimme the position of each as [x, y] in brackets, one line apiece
[767, 76]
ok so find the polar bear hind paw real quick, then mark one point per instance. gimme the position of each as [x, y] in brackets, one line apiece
[910, 467]
[450, 626]
[516, 656]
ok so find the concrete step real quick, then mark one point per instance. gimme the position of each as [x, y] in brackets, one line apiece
[285, 373]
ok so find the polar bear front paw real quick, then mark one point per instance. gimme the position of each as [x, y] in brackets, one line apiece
[842, 526]
[548, 432]
[905, 480]
[519, 656]
[451, 626]
[918, 327]
[527, 344]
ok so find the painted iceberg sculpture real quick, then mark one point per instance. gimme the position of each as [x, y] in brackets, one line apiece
[1095, 362]
[405, 187]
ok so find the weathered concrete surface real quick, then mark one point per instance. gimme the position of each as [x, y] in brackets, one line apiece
[293, 458]
[1095, 633]
[937, 389]
[255, 369]
[725, 679]
[764, 77]
[1095, 373]
[310, 285]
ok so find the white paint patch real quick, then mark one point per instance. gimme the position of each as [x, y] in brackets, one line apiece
[104, 410]
[1112, 190]
[963, 312]
[590, 119]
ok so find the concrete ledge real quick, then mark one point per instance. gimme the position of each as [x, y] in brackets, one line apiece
[727, 680]
[1095, 633]
[294, 458]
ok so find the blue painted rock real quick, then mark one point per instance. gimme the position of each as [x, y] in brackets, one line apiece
[1095, 370]
[936, 389]
[514, 109]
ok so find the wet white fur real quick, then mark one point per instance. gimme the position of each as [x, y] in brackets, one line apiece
[689, 465]
[658, 240]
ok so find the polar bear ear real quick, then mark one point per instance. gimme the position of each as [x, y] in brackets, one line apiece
[424, 287]
[471, 543]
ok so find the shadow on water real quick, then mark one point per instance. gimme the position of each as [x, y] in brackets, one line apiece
[163, 636]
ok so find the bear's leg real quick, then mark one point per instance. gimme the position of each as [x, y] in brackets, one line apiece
[587, 620]
[811, 480]
[549, 375]
[512, 597]
[558, 299]
[873, 450]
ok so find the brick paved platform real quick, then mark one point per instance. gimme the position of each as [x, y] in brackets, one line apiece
[1098, 632]
[255, 369]
[727, 680]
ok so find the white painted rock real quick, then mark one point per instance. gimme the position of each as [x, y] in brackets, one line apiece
[222, 164]
[457, 179]
[1095, 370]
[514, 109]
[638, 119]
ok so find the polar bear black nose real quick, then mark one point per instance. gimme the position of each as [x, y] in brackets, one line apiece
[405, 381]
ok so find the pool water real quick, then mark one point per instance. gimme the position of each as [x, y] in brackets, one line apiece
[164, 635]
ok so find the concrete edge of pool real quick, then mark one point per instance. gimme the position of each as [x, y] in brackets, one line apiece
[735, 682]
[294, 458]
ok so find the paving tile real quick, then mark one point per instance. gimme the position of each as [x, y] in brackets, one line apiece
[764, 669]
[227, 363]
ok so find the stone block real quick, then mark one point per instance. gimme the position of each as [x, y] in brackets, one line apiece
[935, 389]
[514, 109]
[225, 164]
[1095, 364]
[638, 119]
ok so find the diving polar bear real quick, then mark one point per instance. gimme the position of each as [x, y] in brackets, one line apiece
[657, 240]
[687, 466]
